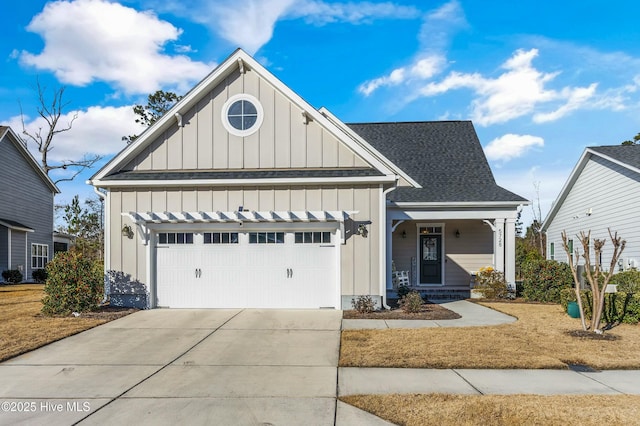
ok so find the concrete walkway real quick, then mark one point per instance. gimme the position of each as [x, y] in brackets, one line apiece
[472, 315]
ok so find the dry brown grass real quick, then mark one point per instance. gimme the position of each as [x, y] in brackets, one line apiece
[538, 339]
[459, 410]
[22, 326]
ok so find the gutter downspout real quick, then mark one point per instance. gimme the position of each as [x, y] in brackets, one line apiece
[383, 244]
[107, 287]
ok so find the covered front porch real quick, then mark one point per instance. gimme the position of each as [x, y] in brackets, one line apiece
[438, 252]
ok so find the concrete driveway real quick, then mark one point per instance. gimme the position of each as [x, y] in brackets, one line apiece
[240, 367]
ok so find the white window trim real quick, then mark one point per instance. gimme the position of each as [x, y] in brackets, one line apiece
[225, 111]
[46, 257]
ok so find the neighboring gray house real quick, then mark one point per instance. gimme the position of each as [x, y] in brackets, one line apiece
[244, 195]
[602, 192]
[26, 208]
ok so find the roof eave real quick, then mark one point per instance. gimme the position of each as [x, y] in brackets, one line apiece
[17, 142]
[241, 182]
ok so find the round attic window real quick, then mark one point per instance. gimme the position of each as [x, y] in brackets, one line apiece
[242, 115]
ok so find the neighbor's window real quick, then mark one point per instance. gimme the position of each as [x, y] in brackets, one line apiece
[266, 237]
[570, 244]
[221, 238]
[39, 256]
[312, 237]
[175, 237]
[242, 115]
[552, 251]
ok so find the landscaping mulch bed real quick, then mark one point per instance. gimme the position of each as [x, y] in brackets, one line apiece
[582, 334]
[430, 311]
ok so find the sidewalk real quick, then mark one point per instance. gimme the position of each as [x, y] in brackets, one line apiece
[369, 381]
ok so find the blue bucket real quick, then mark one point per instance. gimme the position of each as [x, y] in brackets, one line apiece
[573, 310]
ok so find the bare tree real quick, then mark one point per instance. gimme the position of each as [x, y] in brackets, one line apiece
[536, 225]
[597, 277]
[43, 137]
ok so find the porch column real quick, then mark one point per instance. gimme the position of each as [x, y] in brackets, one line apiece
[498, 245]
[510, 251]
[389, 259]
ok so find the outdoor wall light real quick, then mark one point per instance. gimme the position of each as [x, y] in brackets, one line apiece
[362, 230]
[404, 234]
[457, 233]
[127, 231]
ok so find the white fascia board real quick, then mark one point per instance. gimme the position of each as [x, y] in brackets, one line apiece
[15, 228]
[17, 142]
[440, 215]
[240, 182]
[367, 147]
[461, 204]
[562, 195]
[214, 78]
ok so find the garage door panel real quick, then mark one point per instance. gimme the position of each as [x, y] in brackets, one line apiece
[247, 275]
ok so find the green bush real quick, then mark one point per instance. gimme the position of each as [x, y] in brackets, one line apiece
[12, 276]
[411, 302]
[403, 290]
[363, 304]
[74, 284]
[491, 283]
[39, 275]
[627, 281]
[543, 280]
[619, 307]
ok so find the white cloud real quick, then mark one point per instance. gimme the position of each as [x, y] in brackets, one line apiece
[576, 99]
[320, 13]
[435, 33]
[520, 90]
[251, 26]
[97, 40]
[511, 146]
[98, 130]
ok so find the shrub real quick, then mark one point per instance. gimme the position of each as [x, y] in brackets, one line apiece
[491, 283]
[363, 304]
[619, 307]
[627, 281]
[411, 302]
[12, 276]
[39, 275]
[543, 280]
[75, 283]
[403, 290]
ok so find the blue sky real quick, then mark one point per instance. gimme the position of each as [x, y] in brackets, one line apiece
[541, 80]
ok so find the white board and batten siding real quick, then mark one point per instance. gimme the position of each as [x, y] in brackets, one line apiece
[604, 195]
[284, 140]
[357, 260]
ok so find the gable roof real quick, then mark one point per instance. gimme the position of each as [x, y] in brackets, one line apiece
[451, 166]
[238, 60]
[627, 156]
[8, 134]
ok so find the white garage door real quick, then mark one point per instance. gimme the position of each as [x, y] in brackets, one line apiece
[246, 269]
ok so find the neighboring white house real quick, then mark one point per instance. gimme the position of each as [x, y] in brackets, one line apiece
[602, 192]
[244, 195]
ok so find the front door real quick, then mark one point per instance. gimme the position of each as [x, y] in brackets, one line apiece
[431, 259]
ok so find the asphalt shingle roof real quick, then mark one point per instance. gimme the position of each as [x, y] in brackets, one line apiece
[445, 157]
[628, 154]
